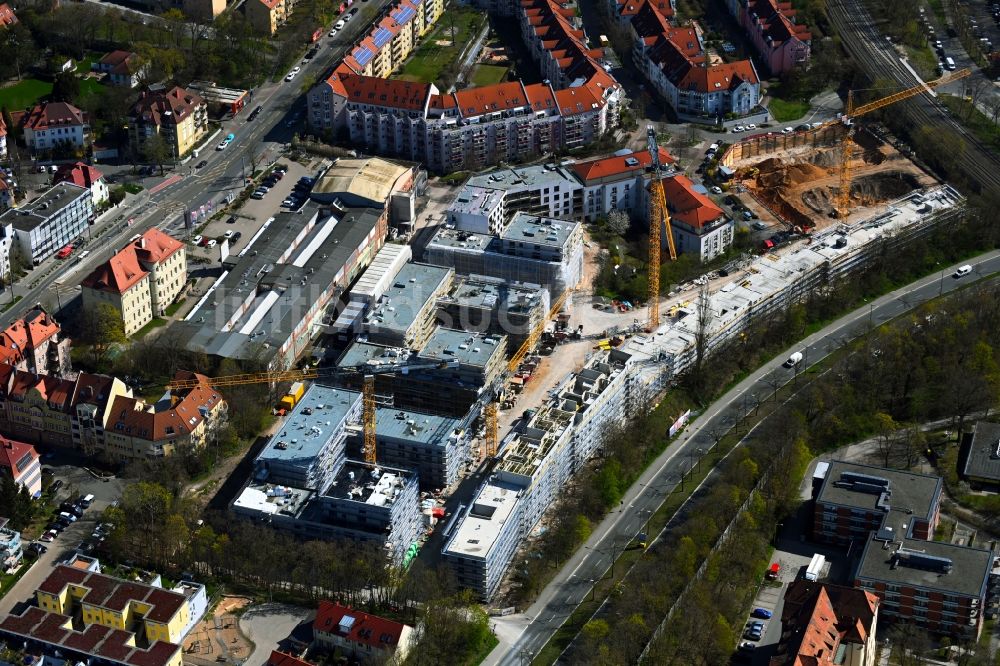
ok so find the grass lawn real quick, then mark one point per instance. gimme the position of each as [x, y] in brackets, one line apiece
[11, 304]
[174, 307]
[981, 126]
[90, 87]
[24, 94]
[144, 331]
[486, 75]
[784, 110]
[924, 61]
[83, 66]
[432, 58]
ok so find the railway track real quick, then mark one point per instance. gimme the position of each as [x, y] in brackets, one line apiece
[879, 60]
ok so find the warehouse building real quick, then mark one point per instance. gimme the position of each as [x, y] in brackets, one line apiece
[369, 288]
[271, 300]
[370, 183]
[538, 250]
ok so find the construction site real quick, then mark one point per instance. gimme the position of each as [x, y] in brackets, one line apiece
[799, 184]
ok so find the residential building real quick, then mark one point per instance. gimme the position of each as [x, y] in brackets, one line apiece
[699, 226]
[21, 463]
[535, 464]
[123, 68]
[780, 41]
[55, 125]
[539, 250]
[435, 447]
[979, 456]
[266, 16]
[180, 420]
[11, 552]
[204, 10]
[178, 116]
[140, 281]
[404, 316]
[84, 175]
[279, 658]
[273, 299]
[86, 616]
[7, 16]
[49, 223]
[34, 343]
[369, 288]
[361, 635]
[482, 304]
[3, 136]
[389, 42]
[619, 182]
[827, 625]
[674, 62]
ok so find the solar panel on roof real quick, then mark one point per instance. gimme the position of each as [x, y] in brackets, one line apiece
[381, 37]
[405, 14]
[363, 55]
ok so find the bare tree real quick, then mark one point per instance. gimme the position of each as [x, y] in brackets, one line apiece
[701, 335]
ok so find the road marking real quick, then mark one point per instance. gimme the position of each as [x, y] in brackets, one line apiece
[166, 183]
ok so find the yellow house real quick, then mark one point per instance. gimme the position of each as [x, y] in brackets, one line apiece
[122, 283]
[178, 116]
[266, 16]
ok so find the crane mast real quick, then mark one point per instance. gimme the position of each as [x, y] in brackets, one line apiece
[658, 216]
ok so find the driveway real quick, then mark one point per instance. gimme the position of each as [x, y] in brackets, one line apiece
[267, 625]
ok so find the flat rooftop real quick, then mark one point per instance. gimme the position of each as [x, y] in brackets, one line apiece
[983, 460]
[491, 508]
[488, 293]
[266, 293]
[31, 215]
[360, 353]
[465, 240]
[544, 231]
[272, 499]
[406, 296]
[473, 349]
[427, 429]
[476, 200]
[311, 424]
[858, 486]
[379, 274]
[970, 567]
[524, 178]
[369, 484]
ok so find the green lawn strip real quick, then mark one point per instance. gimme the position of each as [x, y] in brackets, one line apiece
[155, 323]
[923, 60]
[22, 95]
[490, 643]
[485, 75]
[784, 110]
[984, 128]
[8, 306]
[174, 307]
[431, 58]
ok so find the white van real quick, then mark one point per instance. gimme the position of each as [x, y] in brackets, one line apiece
[87, 501]
[949, 64]
[793, 360]
[963, 270]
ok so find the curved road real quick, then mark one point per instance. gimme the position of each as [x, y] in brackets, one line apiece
[524, 634]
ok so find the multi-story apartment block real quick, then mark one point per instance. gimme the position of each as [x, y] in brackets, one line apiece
[266, 16]
[404, 316]
[435, 447]
[84, 175]
[771, 26]
[827, 625]
[619, 182]
[182, 420]
[85, 616]
[484, 304]
[890, 516]
[11, 551]
[473, 127]
[34, 344]
[361, 635]
[50, 222]
[180, 117]
[979, 456]
[141, 280]
[535, 464]
[123, 68]
[55, 125]
[674, 62]
[699, 226]
[21, 463]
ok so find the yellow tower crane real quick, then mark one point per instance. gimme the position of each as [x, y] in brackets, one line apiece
[852, 112]
[658, 215]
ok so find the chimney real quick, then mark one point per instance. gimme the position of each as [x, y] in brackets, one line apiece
[142, 243]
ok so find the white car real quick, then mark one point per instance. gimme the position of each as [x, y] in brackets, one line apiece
[223, 144]
[296, 69]
[339, 25]
[751, 126]
[716, 190]
[211, 243]
[197, 240]
[347, 18]
[738, 128]
[228, 234]
[333, 32]
[291, 75]
[787, 130]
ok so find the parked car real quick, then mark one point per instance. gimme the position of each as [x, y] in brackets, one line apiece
[197, 240]
[229, 234]
[36, 550]
[759, 225]
[238, 235]
[211, 243]
[231, 220]
[201, 164]
[762, 613]
[716, 190]
[339, 25]
[290, 76]
[49, 536]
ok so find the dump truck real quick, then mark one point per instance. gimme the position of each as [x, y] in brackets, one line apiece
[290, 399]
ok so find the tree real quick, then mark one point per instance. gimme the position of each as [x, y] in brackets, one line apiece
[885, 438]
[156, 150]
[254, 156]
[65, 87]
[618, 222]
[102, 328]
[17, 50]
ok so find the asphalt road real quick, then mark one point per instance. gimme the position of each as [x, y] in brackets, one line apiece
[524, 634]
[283, 114]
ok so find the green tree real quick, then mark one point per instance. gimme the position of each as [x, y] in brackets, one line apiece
[102, 328]
[156, 150]
[65, 87]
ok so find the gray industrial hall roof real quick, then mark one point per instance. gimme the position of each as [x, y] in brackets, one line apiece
[30, 215]
[983, 459]
[910, 492]
[406, 296]
[474, 349]
[305, 431]
[970, 567]
[546, 231]
[282, 292]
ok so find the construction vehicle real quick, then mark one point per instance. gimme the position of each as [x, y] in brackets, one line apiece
[290, 399]
[658, 215]
[853, 112]
[368, 400]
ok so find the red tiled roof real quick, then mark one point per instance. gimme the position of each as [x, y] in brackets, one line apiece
[118, 274]
[11, 453]
[80, 174]
[719, 77]
[367, 629]
[610, 166]
[775, 21]
[270, 4]
[153, 105]
[7, 16]
[692, 208]
[154, 246]
[391, 93]
[120, 62]
[281, 659]
[577, 100]
[540, 97]
[488, 99]
[53, 114]
[114, 593]
[155, 423]
[442, 102]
